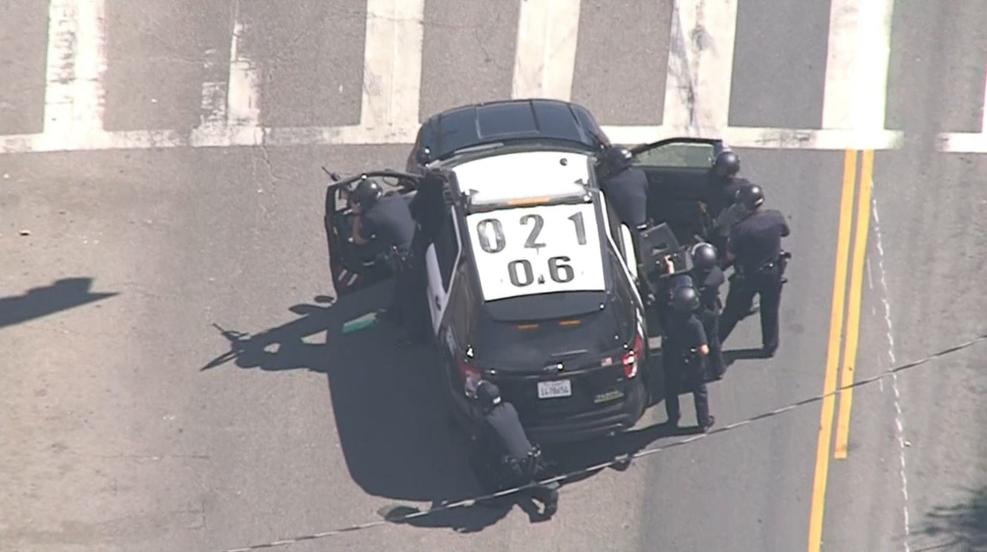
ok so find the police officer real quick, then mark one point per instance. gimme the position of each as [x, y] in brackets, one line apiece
[684, 351]
[708, 277]
[755, 250]
[721, 195]
[386, 221]
[626, 187]
[503, 457]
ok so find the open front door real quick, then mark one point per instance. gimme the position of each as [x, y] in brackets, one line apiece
[679, 171]
[354, 266]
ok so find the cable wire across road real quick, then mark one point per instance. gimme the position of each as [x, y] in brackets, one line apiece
[621, 459]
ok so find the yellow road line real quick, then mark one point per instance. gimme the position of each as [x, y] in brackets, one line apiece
[832, 354]
[853, 309]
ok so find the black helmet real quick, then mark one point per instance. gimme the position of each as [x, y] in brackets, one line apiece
[617, 158]
[703, 256]
[685, 299]
[488, 393]
[750, 196]
[367, 192]
[727, 164]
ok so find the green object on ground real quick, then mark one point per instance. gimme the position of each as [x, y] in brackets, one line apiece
[360, 323]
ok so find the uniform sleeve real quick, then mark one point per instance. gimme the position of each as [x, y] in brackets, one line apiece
[734, 244]
[699, 333]
[370, 223]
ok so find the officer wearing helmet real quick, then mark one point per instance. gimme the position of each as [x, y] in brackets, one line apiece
[502, 455]
[721, 195]
[385, 222]
[625, 187]
[759, 264]
[708, 278]
[724, 182]
[684, 351]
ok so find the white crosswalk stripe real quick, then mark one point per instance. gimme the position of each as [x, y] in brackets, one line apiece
[74, 94]
[968, 142]
[697, 93]
[700, 63]
[545, 57]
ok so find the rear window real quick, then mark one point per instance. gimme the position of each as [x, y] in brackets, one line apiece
[529, 345]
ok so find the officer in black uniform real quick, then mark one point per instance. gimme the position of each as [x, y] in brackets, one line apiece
[720, 197]
[755, 250]
[502, 455]
[626, 187]
[684, 351]
[708, 277]
[386, 221]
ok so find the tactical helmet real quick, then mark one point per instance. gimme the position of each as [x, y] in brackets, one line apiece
[685, 299]
[703, 256]
[617, 158]
[488, 393]
[367, 192]
[751, 196]
[727, 164]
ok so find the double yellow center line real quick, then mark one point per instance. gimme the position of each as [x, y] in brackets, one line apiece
[846, 306]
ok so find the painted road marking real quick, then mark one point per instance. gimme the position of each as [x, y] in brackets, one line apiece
[968, 142]
[845, 314]
[76, 62]
[817, 506]
[392, 70]
[545, 55]
[243, 95]
[700, 67]
[853, 309]
[857, 64]
[766, 137]
[213, 109]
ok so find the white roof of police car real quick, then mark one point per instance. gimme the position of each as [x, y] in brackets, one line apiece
[521, 175]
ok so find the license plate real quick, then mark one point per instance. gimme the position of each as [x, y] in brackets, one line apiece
[553, 389]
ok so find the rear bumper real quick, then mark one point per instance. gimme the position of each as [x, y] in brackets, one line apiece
[617, 417]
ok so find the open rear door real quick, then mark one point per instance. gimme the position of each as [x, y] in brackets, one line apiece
[679, 171]
[354, 267]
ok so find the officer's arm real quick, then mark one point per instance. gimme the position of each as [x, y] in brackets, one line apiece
[729, 256]
[703, 348]
[358, 231]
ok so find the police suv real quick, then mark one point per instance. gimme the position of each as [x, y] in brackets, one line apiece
[530, 280]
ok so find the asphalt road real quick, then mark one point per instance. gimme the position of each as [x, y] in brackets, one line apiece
[120, 432]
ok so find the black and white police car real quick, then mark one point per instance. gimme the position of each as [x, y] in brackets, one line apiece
[531, 281]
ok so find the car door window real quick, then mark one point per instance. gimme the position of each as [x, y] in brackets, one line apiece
[447, 247]
[355, 267]
[678, 172]
[690, 155]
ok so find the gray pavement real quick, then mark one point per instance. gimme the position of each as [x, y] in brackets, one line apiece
[119, 432]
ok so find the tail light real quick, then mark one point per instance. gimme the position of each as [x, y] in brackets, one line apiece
[631, 358]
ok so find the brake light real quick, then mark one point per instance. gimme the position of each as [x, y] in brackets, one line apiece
[631, 358]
